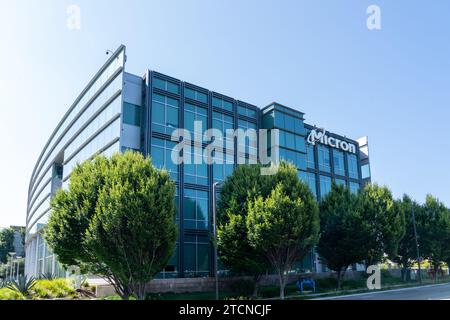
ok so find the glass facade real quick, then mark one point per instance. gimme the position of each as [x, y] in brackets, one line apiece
[164, 114]
[195, 211]
[339, 165]
[325, 185]
[353, 171]
[162, 156]
[91, 126]
[324, 158]
[110, 116]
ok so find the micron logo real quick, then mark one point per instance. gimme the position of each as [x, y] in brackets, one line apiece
[321, 136]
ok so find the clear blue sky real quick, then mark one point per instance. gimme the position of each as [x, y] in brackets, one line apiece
[391, 84]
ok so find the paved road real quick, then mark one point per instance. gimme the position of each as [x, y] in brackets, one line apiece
[429, 292]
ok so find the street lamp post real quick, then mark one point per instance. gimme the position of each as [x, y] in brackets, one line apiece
[18, 260]
[417, 243]
[215, 185]
[12, 254]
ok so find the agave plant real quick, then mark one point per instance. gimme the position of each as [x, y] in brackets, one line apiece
[3, 283]
[23, 284]
[48, 276]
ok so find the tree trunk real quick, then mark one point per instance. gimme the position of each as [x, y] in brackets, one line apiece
[141, 293]
[339, 279]
[435, 267]
[282, 284]
[256, 285]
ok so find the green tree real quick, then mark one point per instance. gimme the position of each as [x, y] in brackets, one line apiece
[117, 220]
[6, 243]
[343, 232]
[433, 223]
[386, 224]
[284, 226]
[407, 251]
[235, 252]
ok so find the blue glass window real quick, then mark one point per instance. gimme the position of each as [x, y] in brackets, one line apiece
[296, 158]
[250, 143]
[164, 114]
[324, 158]
[223, 123]
[131, 114]
[196, 170]
[223, 104]
[196, 256]
[292, 141]
[341, 182]
[325, 185]
[354, 187]
[194, 113]
[223, 166]
[166, 85]
[196, 95]
[338, 159]
[195, 212]
[353, 166]
[162, 156]
[293, 124]
[311, 157]
[246, 111]
[365, 171]
[310, 179]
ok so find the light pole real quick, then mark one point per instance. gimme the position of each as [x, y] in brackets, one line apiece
[18, 260]
[215, 185]
[417, 243]
[12, 254]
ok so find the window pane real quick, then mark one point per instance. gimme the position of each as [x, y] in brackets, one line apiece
[311, 162]
[365, 171]
[202, 97]
[354, 187]
[325, 185]
[131, 114]
[159, 83]
[172, 87]
[217, 102]
[189, 93]
[203, 257]
[172, 117]
[353, 166]
[189, 257]
[338, 159]
[324, 158]
[228, 106]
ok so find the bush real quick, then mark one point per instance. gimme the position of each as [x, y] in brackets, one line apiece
[242, 287]
[49, 289]
[326, 283]
[8, 294]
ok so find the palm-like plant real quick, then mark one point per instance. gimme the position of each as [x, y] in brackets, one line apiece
[48, 276]
[23, 285]
[3, 283]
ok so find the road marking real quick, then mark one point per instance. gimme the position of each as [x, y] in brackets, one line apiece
[383, 291]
